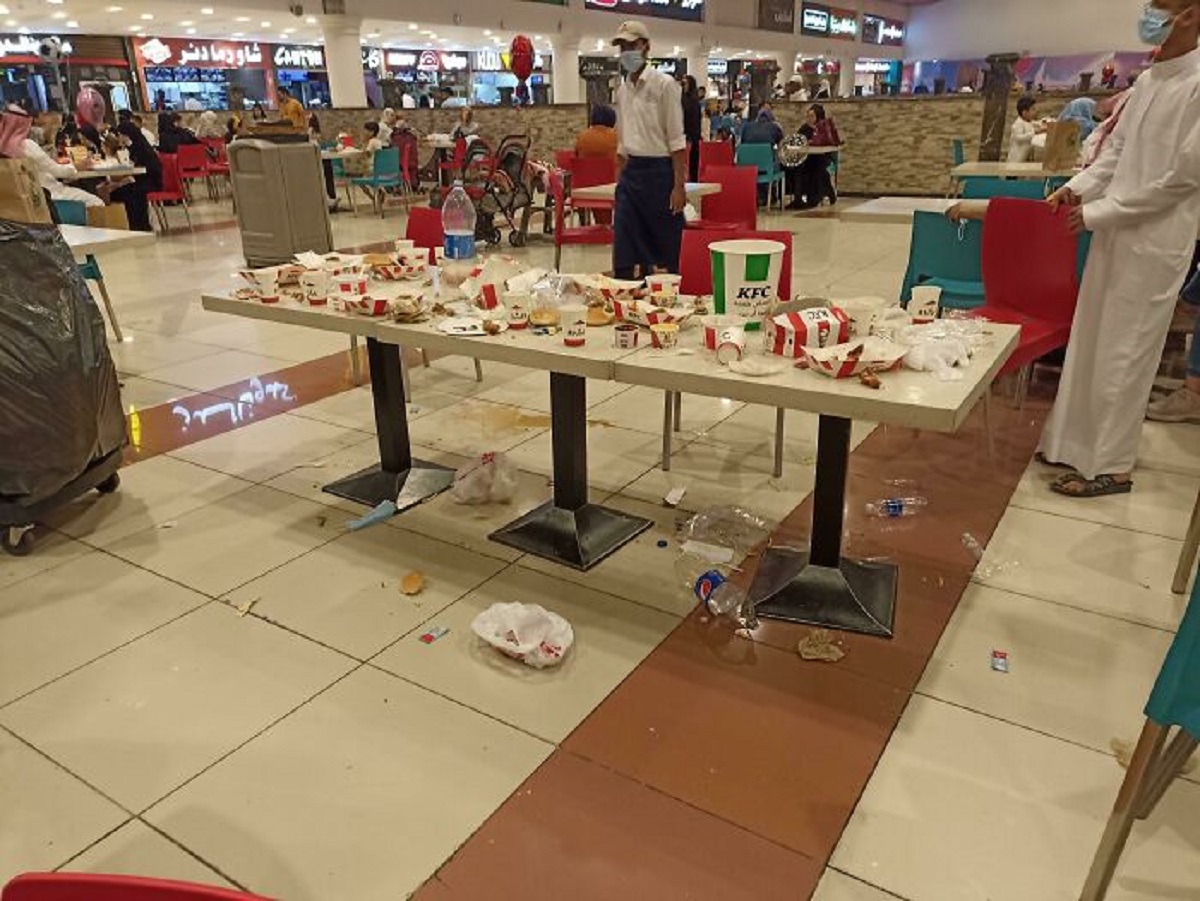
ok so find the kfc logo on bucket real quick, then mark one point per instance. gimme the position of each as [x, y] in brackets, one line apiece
[789, 333]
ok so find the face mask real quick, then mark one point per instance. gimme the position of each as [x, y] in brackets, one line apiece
[631, 60]
[1155, 25]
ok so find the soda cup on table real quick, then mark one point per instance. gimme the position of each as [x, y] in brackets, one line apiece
[458, 224]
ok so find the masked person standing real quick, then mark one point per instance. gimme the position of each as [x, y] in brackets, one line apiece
[1141, 199]
[651, 162]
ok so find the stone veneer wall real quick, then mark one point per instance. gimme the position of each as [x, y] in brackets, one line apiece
[894, 145]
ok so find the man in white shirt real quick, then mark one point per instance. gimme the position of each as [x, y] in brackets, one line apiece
[49, 172]
[1020, 141]
[651, 162]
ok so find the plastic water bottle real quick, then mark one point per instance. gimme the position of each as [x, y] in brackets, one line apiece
[458, 224]
[895, 507]
[709, 583]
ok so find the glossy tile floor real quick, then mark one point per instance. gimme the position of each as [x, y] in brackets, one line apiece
[204, 676]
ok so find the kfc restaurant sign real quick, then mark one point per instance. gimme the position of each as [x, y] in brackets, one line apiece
[687, 10]
[199, 54]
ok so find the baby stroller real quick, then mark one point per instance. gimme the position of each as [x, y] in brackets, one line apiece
[507, 191]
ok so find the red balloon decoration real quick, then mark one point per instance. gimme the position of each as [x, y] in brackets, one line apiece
[520, 63]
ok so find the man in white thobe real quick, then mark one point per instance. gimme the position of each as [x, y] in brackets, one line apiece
[1141, 200]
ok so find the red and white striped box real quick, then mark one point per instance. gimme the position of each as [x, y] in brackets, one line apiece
[787, 334]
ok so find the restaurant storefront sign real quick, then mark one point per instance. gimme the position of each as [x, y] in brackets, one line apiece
[289, 56]
[685, 10]
[200, 54]
[819, 20]
[23, 48]
[881, 30]
[777, 15]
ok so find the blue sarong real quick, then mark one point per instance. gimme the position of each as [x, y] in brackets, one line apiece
[646, 234]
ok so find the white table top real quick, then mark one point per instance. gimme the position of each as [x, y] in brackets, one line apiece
[913, 399]
[341, 154]
[86, 239]
[609, 191]
[106, 172]
[824, 148]
[1009, 170]
[894, 209]
[908, 398]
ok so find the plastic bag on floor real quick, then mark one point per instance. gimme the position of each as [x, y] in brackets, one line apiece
[490, 479]
[526, 632]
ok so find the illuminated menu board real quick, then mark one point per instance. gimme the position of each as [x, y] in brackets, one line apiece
[881, 30]
[821, 21]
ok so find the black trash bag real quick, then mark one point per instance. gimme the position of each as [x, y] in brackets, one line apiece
[60, 405]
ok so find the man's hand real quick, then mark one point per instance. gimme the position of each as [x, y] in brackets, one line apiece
[1064, 196]
[86, 163]
[678, 198]
[1075, 223]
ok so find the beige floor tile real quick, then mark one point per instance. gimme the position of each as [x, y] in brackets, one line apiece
[139, 393]
[966, 808]
[532, 391]
[611, 638]
[837, 886]
[641, 571]
[224, 368]
[641, 409]
[49, 815]
[476, 427]
[615, 456]
[456, 375]
[1170, 447]
[308, 478]
[142, 351]
[1160, 504]
[1093, 567]
[468, 526]
[153, 492]
[751, 430]
[62, 618]
[216, 548]
[361, 794]
[354, 409]
[137, 850]
[265, 449]
[50, 549]
[141, 721]
[347, 593]
[716, 475]
[1078, 676]
[301, 344]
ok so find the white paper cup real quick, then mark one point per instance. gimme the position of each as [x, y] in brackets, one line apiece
[745, 276]
[664, 283]
[404, 245]
[314, 283]
[925, 302]
[731, 344]
[265, 284]
[625, 336]
[517, 305]
[713, 326]
[664, 335]
[573, 317]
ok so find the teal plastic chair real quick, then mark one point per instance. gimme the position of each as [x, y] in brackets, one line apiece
[958, 150]
[72, 212]
[385, 174]
[1159, 757]
[949, 255]
[985, 188]
[769, 171]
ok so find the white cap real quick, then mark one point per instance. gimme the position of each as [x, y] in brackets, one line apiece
[631, 30]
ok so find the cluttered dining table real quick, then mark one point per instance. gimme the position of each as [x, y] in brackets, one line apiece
[853, 361]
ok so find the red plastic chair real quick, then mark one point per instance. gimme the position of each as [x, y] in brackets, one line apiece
[1039, 294]
[715, 153]
[588, 171]
[218, 159]
[424, 229]
[172, 192]
[564, 159]
[736, 206]
[564, 234]
[93, 887]
[193, 165]
[696, 267]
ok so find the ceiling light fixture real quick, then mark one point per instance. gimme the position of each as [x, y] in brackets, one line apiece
[10, 23]
[72, 24]
[22, 30]
[55, 2]
[265, 24]
[3, 10]
[289, 31]
[206, 10]
[412, 26]
[58, 15]
[135, 28]
[238, 34]
[487, 32]
[242, 19]
[310, 20]
[191, 31]
[186, 22]
[146, 17]
[113, 9]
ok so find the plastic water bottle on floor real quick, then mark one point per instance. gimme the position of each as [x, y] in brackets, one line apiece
[458, 224]
[895, 507]
[708, 581]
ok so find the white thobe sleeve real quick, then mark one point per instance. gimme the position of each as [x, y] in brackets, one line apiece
[43, 162]
[1178, 183]
[673, 101]
[1091, 183]
[621, 151]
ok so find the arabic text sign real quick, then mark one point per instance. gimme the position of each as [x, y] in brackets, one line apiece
[688, 10]
[878, 30]
[819, 20]
[777, 15]
[201, 54]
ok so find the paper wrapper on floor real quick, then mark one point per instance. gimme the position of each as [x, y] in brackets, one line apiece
[788, 334]
[745, 276]
[526, 632]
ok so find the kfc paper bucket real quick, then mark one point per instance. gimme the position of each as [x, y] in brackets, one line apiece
[745, 275]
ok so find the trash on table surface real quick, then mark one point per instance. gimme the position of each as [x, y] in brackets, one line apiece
[246, 607]
[819, 645]
[490, 479]
[674, 496]
[1000, 661]
[383, 511]
[413, 583]
[434, 634]
[526, 632]
[894, 507]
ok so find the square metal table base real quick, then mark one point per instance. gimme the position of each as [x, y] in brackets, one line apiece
[407, 488]
[855, 597]
[577, 538]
